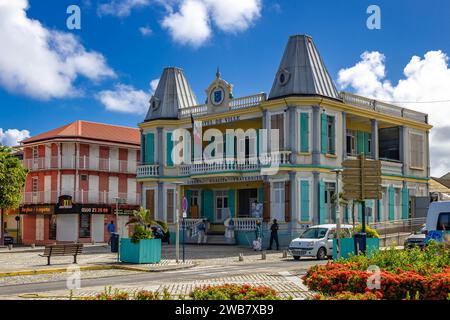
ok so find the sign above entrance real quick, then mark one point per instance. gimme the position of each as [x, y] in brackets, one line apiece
[32, 209]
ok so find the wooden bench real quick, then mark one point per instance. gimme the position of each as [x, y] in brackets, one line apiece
[72, 249]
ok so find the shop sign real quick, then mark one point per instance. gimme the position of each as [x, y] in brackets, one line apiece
[93, 210]
[37, 210]
[65, 202]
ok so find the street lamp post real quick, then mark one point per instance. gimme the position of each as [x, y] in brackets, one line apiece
[338, 215]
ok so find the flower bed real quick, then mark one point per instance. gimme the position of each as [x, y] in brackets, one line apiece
[403, 274]
[234, 292]
[220, 292]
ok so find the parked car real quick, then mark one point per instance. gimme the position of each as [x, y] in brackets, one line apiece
[415, 239]
[317, 241]
[438, 222]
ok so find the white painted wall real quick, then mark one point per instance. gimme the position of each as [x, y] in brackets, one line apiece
[39, 227]
[93, 188]
[98, 228]
[132, 154]
[113, 188]
[67, 227]
[47, 189]
[67, 184]
[114, 159]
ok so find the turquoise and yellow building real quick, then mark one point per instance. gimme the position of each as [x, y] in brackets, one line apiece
[318, 128]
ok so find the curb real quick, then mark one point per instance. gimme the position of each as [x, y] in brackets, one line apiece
[97, 267]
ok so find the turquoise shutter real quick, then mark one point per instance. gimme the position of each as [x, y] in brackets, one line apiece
[304, 132]
[405, 203]
[231, 202]
[391, 203]
[169, 146]
[322, 202]
[261, 195]
[366, 143]
[370, 204]
[360, 142]
[257, 142]
[324, 140]
[333, 146]
[208, 205]
[150, 148]
[304, 206]
[142, 149]
[360, 211]
[380, 210]
[347, 212]
[188, 198]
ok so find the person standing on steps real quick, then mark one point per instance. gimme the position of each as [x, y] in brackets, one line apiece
[274, 234]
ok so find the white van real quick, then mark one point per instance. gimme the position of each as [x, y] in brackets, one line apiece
[438, 221]
[317, 241]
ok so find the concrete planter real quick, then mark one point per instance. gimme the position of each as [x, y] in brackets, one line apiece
[145, 251]
[348, 247]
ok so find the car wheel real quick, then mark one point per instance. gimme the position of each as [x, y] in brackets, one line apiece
[296, 257]
[322, 254]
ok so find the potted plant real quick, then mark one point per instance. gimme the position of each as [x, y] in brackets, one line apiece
[348, 243]
[142, 247]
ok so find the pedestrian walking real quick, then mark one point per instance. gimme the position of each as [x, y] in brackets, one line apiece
[274, 234]
[257, 243]
[111, 229]
[202, 231]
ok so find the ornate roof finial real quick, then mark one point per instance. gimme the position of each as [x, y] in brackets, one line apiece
[218, 73]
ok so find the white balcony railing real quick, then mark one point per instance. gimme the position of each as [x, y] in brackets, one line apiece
[269, 159]
[148, 170]
[245, 224]
[83, 163]
[234, 104]
[383, 107]
[81, 197]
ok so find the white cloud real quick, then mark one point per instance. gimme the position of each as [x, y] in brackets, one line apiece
[146, 31]
[120, 8]
[425, 79]
[12, 137]
[154, 84]
[190, 25]
[234, 15]
[39, 62]
[125, 99]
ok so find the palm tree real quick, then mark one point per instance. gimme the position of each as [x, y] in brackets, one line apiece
[144, 221]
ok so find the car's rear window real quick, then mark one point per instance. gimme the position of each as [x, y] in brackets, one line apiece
[443, 223]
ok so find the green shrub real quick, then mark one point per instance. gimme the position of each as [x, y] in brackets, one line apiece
[371, 233]
[140, 233]
[234, 292]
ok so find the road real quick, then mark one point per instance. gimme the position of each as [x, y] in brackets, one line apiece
[203, 272]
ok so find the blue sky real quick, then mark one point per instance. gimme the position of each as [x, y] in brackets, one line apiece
[246, 45]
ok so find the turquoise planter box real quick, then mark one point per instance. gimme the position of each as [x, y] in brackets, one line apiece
[348, 247]
[146, 251]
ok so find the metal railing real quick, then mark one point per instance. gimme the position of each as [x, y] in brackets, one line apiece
[82, 197]
[398, 226]
[83, 163]
[245, 224]
[147, 170]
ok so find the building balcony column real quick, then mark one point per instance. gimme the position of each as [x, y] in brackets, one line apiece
[375, 140]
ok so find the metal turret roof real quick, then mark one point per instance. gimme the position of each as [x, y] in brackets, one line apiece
[302, 71]
[173, 93]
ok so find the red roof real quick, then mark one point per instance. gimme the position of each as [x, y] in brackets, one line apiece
[91, 131]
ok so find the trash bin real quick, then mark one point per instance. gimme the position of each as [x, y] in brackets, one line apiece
[360, 243]
[114, 242]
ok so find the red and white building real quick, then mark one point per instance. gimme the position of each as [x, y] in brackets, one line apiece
[77, 174]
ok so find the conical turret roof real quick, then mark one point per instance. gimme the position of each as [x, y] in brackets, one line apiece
[302, 71]
[173, 93]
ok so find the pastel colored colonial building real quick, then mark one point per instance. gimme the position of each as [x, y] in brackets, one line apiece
[318, 127]
[77, 173]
